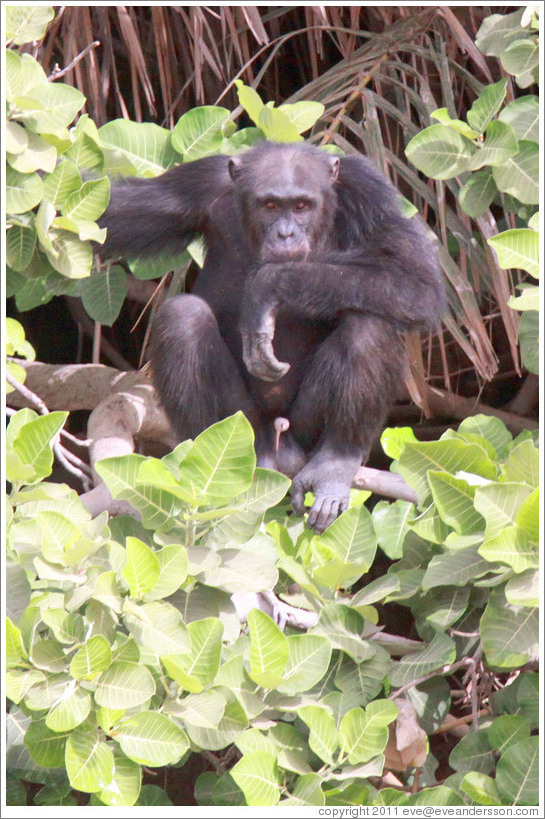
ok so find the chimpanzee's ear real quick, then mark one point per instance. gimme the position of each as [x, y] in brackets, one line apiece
[235, 166]
[334, 164]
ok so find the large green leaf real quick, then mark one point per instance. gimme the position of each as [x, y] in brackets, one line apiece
[50, 108]
[124, 685]
[89, 761]
[364, 732]
[517, 248]
[441, 651]
[343, 626]
[173, 566]
[345, 550]
[499, 146]
[45, 746]
[157, 627]
[324, 738]
[152, 739]
[308, 662]
[518, 773]
[510, 636]
[268, 650]
[454, 500]
[23, 191]
[199, 132]
[487, 105]
[121, 477]
[71, 710]
[24, 24]
[221, 463]
[523, 116]
[141, 570]
[126, 782]
[232, 723]
[519, 176]
[103, 293]
[257, 776]
[147, 146]
[440, 152]
[91, 659]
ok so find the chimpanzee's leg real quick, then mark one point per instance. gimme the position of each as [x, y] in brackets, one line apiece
[199, 382]
[341, 408]
[194, 372]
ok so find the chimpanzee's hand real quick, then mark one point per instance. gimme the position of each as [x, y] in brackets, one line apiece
[330, 499]
[257, 326]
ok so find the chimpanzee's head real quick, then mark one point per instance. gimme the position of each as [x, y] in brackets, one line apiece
[287, 197]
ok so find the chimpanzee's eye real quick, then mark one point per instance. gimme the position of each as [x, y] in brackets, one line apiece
[301, 205]
[270, 205]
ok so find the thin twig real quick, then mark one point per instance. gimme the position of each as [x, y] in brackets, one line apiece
[60, 72]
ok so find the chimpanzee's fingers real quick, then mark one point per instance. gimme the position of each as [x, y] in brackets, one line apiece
[298, 498]
[323, 513]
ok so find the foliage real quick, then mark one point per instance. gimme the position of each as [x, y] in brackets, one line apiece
[496, 155]
[124, 648]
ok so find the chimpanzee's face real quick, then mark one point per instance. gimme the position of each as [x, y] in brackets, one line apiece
[287, 201]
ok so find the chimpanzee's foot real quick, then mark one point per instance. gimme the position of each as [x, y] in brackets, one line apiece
[277, 449]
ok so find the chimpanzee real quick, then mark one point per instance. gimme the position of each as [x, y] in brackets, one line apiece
[311, 275]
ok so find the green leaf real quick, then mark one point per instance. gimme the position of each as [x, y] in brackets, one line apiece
[345, 550]
[147, 146]
[173, 566]
[473, 753]
[307, 792]
[50, 108]
[38, 155]
[220, 464]
[89, 761]
[344, 627]
[499, 504]
[15, 650]
[523, 116]
[89, 202]
[480, 788]
[232, 723]
[520, 174]
[518, 773]
[91, 659]
[364, 732]
[529, 340]
[393, 440]
[323, 739]
[68, 255]
[454, 500]
[490, 428]
[510, 636]
[124, 685]
[439, 652]
[151, 739]
[523, 590]
[442, 115]
[142, 568]
[157, 627]
[24, 24]
[61, 183]
[250, 100]
[499, 146]
[497, 31]
[363, 680]
[522, 464]
[121, 475]
[276, 126]
[302, 115]
[391, 522]
[520, 57]
[478, 193]
[257, 776]
[104, 292]
[440, 152]
[507, 730]
[199, 666]
[32, 445]
[268, 650]
[72, 709]
[487, 105]
[23, 191]
[517, 248]
[448, 455]
[199, 132]
[45, 746]
[456, 569]
[124, 788]
[308, 662]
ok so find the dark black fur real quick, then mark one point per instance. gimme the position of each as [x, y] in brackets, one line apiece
[311, 274]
